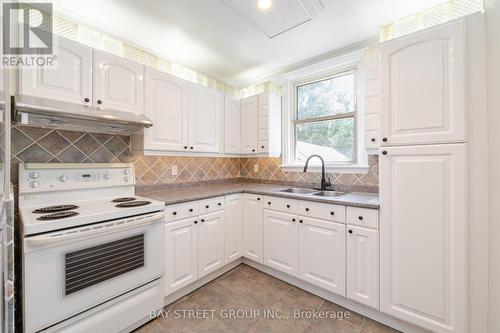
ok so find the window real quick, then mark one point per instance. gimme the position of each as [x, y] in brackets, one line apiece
[325, 120]
[321, 115]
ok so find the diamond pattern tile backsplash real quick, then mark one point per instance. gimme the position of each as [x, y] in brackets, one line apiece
[30, 144]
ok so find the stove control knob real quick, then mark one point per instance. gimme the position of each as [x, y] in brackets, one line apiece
[34, 175]
[34, 184]
[107, 176]
[63, 178]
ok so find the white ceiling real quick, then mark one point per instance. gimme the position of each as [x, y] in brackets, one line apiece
[208, 36]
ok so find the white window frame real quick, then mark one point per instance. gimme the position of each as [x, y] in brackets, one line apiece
[291, 80]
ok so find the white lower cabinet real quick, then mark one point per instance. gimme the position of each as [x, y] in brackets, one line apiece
[323, 254]
[281, 241]
[363, 266]
[181, 243]
[233, 211]
[253, 243]
[210, 243]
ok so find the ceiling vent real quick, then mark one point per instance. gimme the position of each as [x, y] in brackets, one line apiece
[280, 17]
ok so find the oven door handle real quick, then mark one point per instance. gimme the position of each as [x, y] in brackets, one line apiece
[96, 230]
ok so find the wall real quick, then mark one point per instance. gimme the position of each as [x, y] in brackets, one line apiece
[493, 53]
[31, 144]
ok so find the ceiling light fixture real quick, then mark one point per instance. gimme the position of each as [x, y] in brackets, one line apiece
[264, 4]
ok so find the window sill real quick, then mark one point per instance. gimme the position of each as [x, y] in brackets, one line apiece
[330, 168]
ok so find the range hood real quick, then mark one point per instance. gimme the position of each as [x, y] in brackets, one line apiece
[47, 113]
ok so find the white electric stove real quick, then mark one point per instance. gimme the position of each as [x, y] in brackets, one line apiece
[93, 250]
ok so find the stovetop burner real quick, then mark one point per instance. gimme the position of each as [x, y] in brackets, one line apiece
[125, 199]
[133, 204]
[56, 216]
[53, 209]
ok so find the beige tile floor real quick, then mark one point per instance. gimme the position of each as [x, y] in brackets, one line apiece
[250, 293]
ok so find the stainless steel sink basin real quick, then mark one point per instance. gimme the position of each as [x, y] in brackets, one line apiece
[298, 190]
[329, 194]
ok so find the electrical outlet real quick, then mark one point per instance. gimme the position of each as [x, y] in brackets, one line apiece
[255, 168]
[174, 170]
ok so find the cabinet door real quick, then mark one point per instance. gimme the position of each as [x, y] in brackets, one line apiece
[253, 246]
[372, 104]
[118, 83]
[363, 266]
[423, 87]
[210, 243]
[181, 258]
[166, 105]
[423, 223]
[204, 116]
[232, 120]
[233, 209]
[249, 125]
[281, 241]
[322, 254]
[70, 81]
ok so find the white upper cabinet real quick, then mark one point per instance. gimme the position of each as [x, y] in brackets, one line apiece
[233, 209]
[363, 266]
[249, 125]
[423, 87]
[322, 254]
[371, 92]
[204, 119]
[423, 235]
[118, 83]
[269, 122]
[232, 125]
[70, 81]
[253, 236]
[181, 246]
[210, 243]
[166, 103]
[281, 241]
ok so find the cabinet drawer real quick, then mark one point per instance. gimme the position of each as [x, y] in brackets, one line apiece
[363, 217]
[281, 204]
[211, 205]
[322, 211]
[181, 211]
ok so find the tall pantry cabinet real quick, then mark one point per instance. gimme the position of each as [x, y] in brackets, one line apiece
[423, 177]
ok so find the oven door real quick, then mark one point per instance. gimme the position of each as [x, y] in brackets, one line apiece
[70, 271]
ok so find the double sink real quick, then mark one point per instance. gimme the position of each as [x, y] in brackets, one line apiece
[306, 191]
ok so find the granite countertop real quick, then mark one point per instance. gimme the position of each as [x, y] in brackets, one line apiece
[180, 195]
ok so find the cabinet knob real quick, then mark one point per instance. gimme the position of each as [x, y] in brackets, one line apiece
[191, 147]
[332, 213]
[99, 101]
[253, 150]
[350, 231]
[293, 220]
[86, 100]
[360, 218]
[207, 206]
[190, 210]
[307, 209]
[287, 206]
[202, 220]
[175, 213]
[384, 139]
[373, 139]
[269, 202]
[219, 204]
[262, 147]
[185, 147]
[384, 152]
[195, 222]
[301, 221]
[258, 199]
